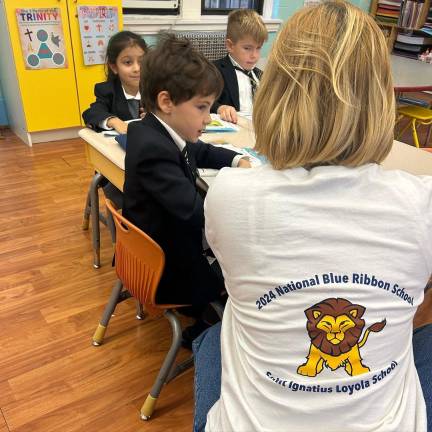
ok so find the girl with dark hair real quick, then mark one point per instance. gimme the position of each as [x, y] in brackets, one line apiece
[118, 98]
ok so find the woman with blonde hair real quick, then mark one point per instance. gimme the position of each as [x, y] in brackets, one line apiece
[325, 255]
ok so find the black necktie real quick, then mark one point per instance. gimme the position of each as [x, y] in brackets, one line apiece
[193, 173]
[133, 105]
[253, 83]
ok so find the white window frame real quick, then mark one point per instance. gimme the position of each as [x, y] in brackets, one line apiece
[190, 19]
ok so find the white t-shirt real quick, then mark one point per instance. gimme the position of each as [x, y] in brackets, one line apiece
[343, 249]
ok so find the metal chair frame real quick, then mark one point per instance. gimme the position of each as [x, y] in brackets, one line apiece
[139, 266]
[91, 211]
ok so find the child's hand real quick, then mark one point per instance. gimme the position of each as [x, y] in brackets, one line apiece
[142, 113]
[244, 163]
[227, 113]
[118, 125]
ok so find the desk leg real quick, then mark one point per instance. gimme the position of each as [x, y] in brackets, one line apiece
[94, 209]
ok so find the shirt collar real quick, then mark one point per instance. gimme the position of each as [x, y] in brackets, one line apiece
[128, 96]
[179, 141]
[235, 64]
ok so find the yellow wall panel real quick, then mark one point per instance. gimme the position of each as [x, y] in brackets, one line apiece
[49, 95]
[87, 76]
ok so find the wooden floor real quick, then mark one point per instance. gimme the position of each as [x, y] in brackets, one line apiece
[51, 377]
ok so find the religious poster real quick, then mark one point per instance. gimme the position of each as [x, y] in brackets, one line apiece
[97, 25]
[41, 35]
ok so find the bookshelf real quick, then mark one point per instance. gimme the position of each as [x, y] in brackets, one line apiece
[407, 16]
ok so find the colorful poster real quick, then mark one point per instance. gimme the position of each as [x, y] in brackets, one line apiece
[42, 41]
[97, 25]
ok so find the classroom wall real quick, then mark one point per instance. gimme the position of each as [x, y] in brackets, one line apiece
[3, 114]
[283, 9]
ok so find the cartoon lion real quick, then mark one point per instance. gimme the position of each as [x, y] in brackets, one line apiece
[334, 327]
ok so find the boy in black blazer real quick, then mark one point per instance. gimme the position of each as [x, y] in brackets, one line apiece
[178, 87]
[246, 34]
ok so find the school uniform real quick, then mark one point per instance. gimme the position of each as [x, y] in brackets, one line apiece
[161, 198]
[230, 94]
[111, 101]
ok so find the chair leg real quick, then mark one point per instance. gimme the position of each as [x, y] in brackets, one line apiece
[94, 206]
[428, 135]
[111, 225]
[87, 211]
[140, 314]
[106, 316]
[400, 133]
[150, 403]
[414, 131]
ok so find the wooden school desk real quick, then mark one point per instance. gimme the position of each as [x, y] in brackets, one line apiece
[107, 158]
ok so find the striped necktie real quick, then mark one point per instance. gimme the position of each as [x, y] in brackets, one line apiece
[253, 83]
[194, 173]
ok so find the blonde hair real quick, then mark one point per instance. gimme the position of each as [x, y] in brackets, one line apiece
[326, 96]
[246, 22]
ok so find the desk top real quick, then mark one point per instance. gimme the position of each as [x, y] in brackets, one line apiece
[402, 156]
[411, 75]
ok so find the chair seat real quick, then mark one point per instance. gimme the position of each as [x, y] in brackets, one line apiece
[417, 112]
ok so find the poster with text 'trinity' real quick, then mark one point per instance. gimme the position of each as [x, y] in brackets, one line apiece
[41, 35]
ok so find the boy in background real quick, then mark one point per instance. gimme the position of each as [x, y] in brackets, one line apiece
[246, 34]
[178, 86]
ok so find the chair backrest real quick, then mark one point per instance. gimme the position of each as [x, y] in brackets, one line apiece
[211, 44]
[139, 260]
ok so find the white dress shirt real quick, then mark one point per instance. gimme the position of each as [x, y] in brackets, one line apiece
[245, 89]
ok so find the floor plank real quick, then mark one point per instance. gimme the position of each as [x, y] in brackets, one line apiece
[51, 298]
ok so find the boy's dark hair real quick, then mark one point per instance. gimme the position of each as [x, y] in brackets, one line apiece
[176, 67]
[117, 44]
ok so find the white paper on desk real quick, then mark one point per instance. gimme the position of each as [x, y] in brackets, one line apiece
[218, 125]
[254, 158]
[113, 133]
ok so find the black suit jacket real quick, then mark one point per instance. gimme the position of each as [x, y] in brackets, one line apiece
[230, 93]
[160, 197]
[110, 101]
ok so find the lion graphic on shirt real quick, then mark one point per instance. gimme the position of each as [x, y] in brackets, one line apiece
[334, 327]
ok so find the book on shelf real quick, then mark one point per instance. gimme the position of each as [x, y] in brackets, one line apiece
[403, 53]
[388, 11]
[411, 48]
[411, 13]
[413, 39]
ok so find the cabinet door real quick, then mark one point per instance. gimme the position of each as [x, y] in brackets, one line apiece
[49, 96]
[87, 76]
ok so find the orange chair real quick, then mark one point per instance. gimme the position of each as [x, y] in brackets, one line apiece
[139, 263]
[416, 115]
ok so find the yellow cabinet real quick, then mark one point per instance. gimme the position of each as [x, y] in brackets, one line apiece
[46, 104]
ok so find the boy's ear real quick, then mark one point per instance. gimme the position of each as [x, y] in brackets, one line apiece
[229, 45]
[164, 102]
